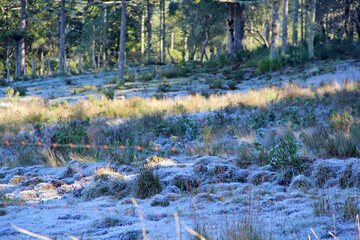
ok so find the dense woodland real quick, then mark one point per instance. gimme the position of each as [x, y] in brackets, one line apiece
[40, 37]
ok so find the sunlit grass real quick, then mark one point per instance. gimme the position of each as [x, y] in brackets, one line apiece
[20, 113]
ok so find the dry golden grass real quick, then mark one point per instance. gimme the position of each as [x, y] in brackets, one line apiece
[22, 112]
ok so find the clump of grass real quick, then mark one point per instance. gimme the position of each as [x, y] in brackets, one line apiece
[51, 158]
[147, 184]
[245, 229]
[107, 182]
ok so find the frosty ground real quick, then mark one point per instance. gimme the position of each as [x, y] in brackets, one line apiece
[218, 196]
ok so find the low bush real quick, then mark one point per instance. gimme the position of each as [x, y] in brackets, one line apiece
[147, 184]
[284, 153]
[109, 93]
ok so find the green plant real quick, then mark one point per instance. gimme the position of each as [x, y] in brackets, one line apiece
[350, 209]
[232, 85]
[284, 153]
[68, 81]
[215, 83]
[146, 77]
[21, 90]
[147, 184]
[3, 212]
[71, 132]
[109, 93]
[4, 83]
[164, 87]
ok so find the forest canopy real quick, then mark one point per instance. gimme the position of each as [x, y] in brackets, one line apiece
[39, 37]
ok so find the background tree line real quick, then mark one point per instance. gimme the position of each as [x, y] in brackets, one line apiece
[40, 37]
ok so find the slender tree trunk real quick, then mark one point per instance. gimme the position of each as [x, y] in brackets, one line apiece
[33, 71]
[185, 46]
[7, 65]
[142, 35]
[307, 22]
[284, 27]
[230, 22]
[295, 22]
[149, 29]
[50, 72]
[274, 49]
[62, 38]
[267, 22]
[207, 30]
[80, 63]
[312, 31]
[42, 70]
[21, 68]
[302, 20]
[104, 40]
[93, 57]
[122, 43]
[172, 41]
[163, 32]
[98, 61]
[239, 27]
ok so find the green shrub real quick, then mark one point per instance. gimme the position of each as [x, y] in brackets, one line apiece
[146, 77]
[232, 85]
[284, 153]
[21, 90]
[341, 146]
[164, 87]
[4, 83]
[109, 93]
[72, 132]
[215, 83]
[173, 72]
[147, 184]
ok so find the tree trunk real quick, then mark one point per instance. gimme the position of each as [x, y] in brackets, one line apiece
[274, 49]
[239, 27]
[104, 39]
[7, 65]
[207, 30]
[284, 27]
[295, 22]
[122, 43]
[161, 32]
[307, 21]
[149, 29]
[21, 66]
[62, 38]
[50, 72]
[302, 20]
[33, 71]
[230, 22]
[312, 32]
[347, 17]
[93, 56]
[185, 46]
[98, 61]
[142, 35]
[172, 41]
[42, 70]
[267, 22]
[164, 32]
[80, 63]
